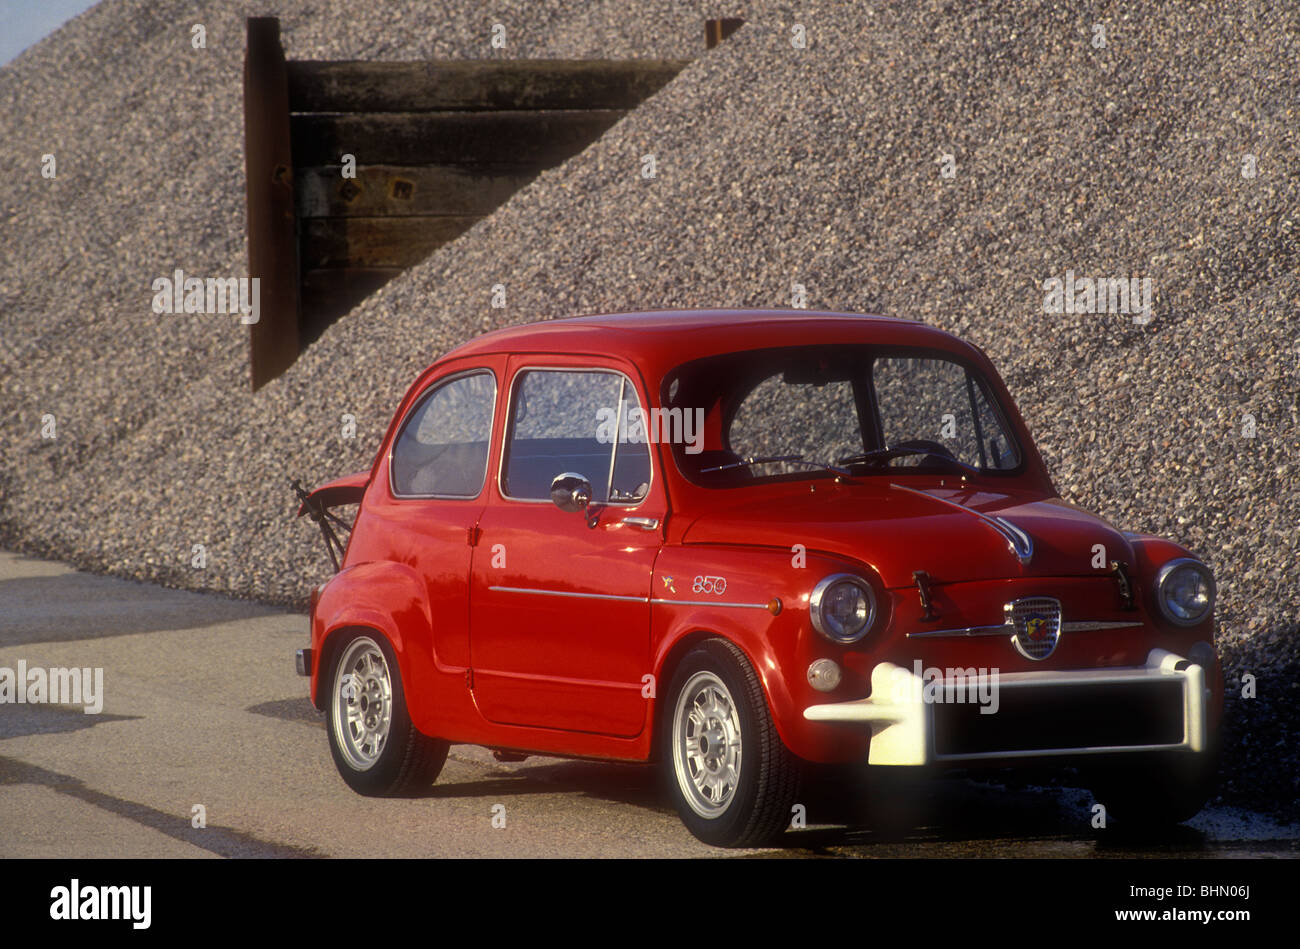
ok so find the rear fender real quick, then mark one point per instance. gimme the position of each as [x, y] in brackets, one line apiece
[389, 599]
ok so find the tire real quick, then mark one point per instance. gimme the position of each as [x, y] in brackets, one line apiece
[376, 748]
[1158, 792]
[729, 774]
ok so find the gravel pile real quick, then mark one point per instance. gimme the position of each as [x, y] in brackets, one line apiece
[1163, 146]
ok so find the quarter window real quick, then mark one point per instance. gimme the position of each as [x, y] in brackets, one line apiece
[442, 449]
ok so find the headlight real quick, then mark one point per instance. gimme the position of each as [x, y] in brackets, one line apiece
[1185, 591]
[842, 607]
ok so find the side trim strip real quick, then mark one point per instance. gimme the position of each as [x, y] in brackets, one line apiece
[739, 606]
[629, 599]
[586, 596]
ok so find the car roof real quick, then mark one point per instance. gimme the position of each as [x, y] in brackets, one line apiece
[657, 340]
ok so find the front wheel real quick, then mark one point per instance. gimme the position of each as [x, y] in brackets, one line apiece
[376, 748]
[1160, 791]
[730, 775]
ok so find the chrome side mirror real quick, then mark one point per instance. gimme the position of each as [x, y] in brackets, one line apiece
[570, 492]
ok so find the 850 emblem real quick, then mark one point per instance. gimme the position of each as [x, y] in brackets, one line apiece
[716, 585]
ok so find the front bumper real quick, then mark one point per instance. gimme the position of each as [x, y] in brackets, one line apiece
[937, 717]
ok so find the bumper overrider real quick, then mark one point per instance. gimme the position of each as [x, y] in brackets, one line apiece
[921, 717]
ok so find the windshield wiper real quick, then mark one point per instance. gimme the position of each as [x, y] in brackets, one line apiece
[888, 454]
[774, 459]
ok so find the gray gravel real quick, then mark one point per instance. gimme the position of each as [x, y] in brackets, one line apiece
[775, 165]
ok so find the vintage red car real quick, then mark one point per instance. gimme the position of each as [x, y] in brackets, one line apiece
[734, 542]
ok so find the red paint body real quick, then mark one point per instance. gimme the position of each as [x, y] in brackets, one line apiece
[565, 675]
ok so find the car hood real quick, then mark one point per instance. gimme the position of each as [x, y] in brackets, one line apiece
[898, 529]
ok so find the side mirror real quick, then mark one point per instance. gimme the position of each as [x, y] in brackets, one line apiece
[570, 492]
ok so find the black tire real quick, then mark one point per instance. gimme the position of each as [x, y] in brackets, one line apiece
[758, 806]
[1159, 791]
[403, 760]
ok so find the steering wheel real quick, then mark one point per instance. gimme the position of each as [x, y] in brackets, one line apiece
[929, 447]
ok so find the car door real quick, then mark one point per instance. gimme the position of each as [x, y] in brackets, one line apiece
[560, 613]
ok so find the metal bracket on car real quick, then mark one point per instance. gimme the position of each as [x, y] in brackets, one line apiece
[923, 588]
[315, 508]
[1120, 569]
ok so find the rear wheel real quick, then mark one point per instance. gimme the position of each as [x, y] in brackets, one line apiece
[376, 748]
[732, 779]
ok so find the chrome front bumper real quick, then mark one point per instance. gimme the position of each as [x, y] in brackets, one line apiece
[1081, 712]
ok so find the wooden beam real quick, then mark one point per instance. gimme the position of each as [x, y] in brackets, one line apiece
[716, 31]
[272, 243]
[401, 190]
[510, 85]
[377, 241]
[430, 138]
[329, 293]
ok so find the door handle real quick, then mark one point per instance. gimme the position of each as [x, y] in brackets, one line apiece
[645, 523]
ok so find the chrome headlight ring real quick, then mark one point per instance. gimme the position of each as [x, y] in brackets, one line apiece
[837, 614]
[1171, 581]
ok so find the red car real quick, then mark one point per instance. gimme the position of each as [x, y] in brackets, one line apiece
[733, 542]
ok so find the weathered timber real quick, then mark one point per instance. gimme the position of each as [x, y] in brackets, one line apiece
[432, 138]
[435, 146]
[401, 190]
[272, 242]
[716, 31]
[476, 85]
[377, 241]
[330, 293]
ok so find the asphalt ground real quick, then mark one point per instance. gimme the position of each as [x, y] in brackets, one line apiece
[202, 709]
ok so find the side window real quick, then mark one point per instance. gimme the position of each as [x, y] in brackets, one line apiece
[575, 420]
[442, 449]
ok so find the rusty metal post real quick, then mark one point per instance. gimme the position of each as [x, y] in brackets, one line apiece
[715, 31]
[272, 230]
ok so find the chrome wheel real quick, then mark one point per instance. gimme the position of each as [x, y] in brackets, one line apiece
[707, 744]
[363, 703]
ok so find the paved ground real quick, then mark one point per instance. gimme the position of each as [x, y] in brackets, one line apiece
[201, 707]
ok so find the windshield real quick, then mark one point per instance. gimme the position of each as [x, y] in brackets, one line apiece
[860, 410]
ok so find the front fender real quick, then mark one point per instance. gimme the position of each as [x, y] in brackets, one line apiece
[779, 646]
[1151, 553]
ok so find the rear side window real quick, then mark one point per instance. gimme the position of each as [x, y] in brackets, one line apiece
[442, 449]
[564, 421]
